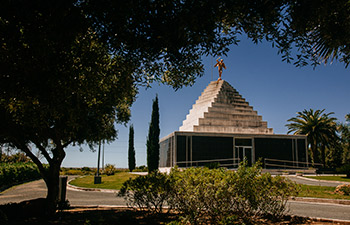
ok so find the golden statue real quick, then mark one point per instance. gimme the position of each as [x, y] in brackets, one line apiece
[220, 64]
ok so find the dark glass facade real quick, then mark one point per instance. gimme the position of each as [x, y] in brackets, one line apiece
[187, 149]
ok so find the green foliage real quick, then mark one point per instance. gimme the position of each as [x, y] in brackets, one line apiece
[320, 129]
[77, 171]
[142, 168]
[345, 169]
[151, 192]
[153, 138]
[109, 170]
[344, 130]
[213, 165]
[15, 173]
[218, 194]
[343, 189]
[19, 157]
[204, 195]
[131, 150]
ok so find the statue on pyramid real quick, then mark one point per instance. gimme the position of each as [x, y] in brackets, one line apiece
[220, 64]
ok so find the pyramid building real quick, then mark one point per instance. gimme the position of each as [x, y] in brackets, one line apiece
[222, 109]
[222, 128]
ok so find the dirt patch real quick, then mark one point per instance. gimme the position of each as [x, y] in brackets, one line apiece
[122, 215]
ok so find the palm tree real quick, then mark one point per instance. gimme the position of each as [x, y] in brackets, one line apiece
[344, 130]
[319, 127]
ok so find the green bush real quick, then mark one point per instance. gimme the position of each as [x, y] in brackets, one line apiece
[150, 192]
[109, 170]
[344, 169]
[343, 189]
[200, 193]
[215, 196]
[141, 169]
[15, 173]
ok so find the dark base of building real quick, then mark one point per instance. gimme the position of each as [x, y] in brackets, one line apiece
[188, 149]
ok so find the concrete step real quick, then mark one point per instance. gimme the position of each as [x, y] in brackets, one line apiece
[232, 105]
[224, 129]
[233, 123]
[232, 116]
[233, 110]
[222, 99]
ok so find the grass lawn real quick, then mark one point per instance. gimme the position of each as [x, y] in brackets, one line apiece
[320, 192]
[332, 178]
[108, 182]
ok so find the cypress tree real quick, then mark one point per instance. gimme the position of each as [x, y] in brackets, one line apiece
[153, 138]
[131, 151]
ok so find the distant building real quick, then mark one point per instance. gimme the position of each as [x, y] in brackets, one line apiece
[223, 128]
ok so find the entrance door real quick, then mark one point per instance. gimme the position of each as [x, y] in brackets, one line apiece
[244, 152]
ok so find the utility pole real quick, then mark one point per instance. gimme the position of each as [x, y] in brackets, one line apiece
[97, 179]
[103, 156]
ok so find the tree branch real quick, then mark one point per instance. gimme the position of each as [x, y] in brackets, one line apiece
[22, 146]
[43, 151]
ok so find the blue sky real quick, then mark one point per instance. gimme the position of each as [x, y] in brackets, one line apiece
[276, 89]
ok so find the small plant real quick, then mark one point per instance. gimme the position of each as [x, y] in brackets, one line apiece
[343, 189]
[150, 192]
[142, 168]
[212, 196]
[110, 170]
[213, 165]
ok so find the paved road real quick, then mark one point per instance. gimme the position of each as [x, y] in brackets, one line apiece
[320, 210]
[37, 189]
[310, 181]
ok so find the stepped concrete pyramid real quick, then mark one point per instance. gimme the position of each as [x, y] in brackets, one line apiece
[221, 109]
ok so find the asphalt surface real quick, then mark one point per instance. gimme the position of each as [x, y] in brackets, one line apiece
[37, 189]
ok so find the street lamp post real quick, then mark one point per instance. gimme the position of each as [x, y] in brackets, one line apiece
[98, 179]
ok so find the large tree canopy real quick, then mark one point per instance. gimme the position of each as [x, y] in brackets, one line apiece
[69, 69]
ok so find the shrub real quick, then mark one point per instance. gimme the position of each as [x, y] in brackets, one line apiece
[141, 169]
[150, 192]
[200, 193]
[215, 196]
[344, 169]
[343, 189]
[110, 170]
[213, 165]
[15, 173]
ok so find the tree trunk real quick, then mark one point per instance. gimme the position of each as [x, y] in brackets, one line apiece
[52, 183]
[323, 152]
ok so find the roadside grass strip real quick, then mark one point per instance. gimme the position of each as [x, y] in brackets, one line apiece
[320, 192]
[330, 178]
[108, 182]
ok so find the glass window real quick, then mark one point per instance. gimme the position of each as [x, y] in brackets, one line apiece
[243, 142]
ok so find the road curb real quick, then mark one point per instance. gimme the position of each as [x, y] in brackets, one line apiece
[322, 200]
[324, 181]
[76, 188]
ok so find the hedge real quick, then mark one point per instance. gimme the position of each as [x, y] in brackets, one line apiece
[11, 174]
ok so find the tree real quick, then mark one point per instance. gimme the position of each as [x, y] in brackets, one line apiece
[153, 138]
[69, 69]
[131, 151]
[320, 129]
[59, 85]
[344, 129]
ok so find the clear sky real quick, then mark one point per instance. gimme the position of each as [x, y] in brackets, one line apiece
[276, 89]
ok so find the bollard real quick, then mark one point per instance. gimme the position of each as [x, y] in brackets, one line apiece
[97, 179]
